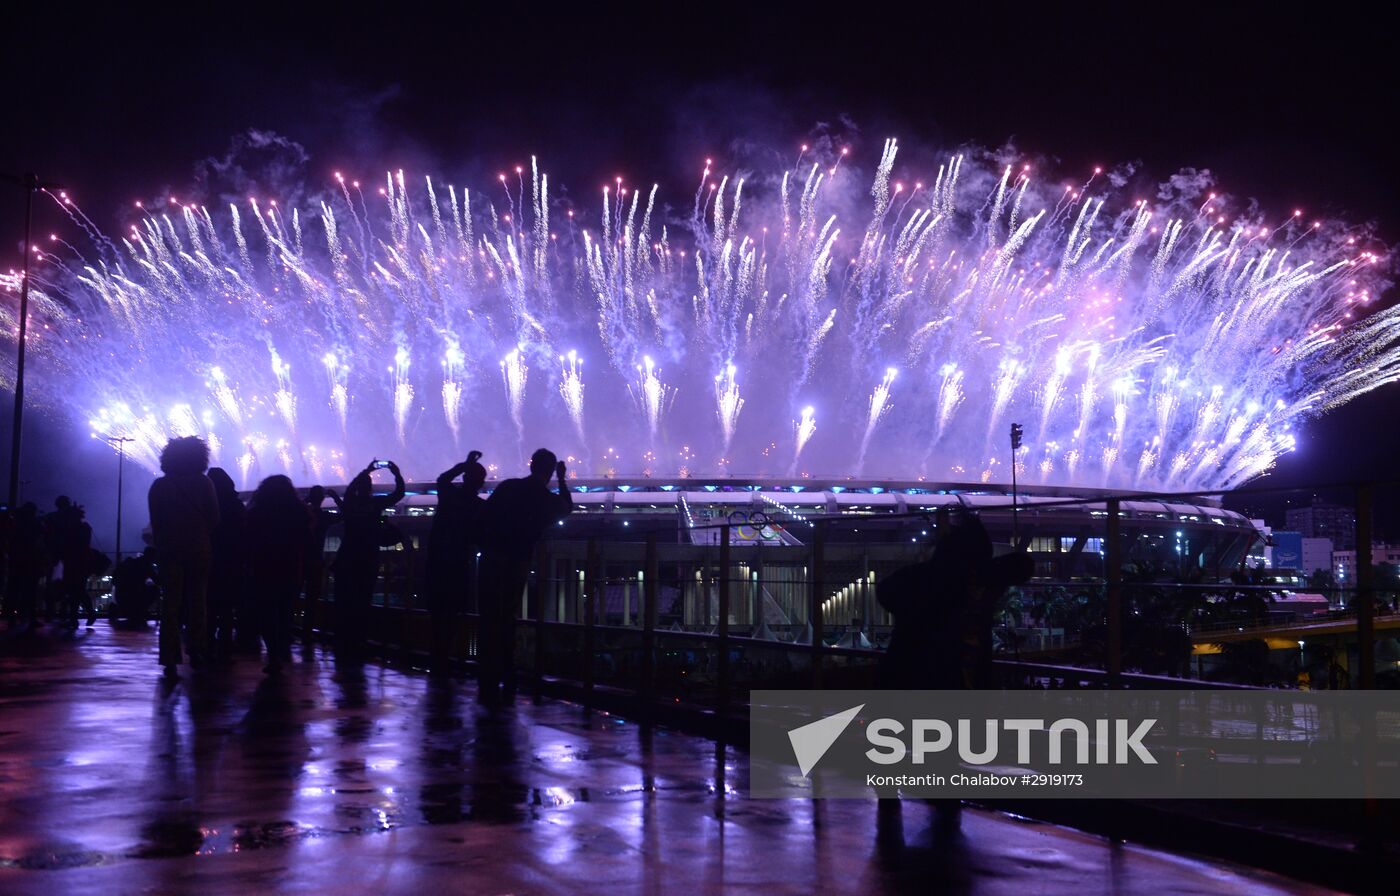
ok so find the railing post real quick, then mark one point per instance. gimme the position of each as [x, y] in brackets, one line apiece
[722, 668]
[1366, 656]
[544, 568]
[814, 612]
[590, 592]
[758, 577]
[650, 593]
[1365, 592]
[866, 603]
[1113, 561]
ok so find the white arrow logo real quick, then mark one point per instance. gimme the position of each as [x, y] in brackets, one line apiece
[811, 741]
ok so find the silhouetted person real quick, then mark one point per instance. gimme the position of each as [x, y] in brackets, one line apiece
[50, 589]
[184, 511]
[58, 533]
[314, 563]
[26, 564]
[134, 588]
[518, 513]
[943, 609]
[72, 548]
[942, 636]
[457, 526]
[277, 533]
[227, 580]
[357, 561]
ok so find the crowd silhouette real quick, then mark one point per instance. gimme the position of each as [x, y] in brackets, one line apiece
[47, 560]
[227, 576]
[224, 576]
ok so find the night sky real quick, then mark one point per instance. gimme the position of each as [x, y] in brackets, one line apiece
[1293, 111]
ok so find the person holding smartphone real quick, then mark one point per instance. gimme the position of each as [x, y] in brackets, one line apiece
[357, 561]
[457, 526]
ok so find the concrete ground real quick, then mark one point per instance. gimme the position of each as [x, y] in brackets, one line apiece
[336, 778]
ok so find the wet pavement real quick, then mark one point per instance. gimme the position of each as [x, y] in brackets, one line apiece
[334, 778]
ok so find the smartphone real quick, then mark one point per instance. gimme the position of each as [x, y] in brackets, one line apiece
[380, 464]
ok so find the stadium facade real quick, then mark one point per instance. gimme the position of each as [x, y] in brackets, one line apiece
[868, 529]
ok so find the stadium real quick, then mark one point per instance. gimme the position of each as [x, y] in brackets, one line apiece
[854, 531]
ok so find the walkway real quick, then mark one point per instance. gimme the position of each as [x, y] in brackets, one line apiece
[377, 780]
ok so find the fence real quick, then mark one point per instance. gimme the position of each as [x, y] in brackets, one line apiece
[703, 622]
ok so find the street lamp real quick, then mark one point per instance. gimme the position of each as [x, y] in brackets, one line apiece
[120, 442]
[1016, 433]
[32, 184]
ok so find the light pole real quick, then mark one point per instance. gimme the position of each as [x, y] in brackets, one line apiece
[1016, 432]
[31, 186]
[120, 442]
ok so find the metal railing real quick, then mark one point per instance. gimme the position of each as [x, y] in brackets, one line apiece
[723, 618]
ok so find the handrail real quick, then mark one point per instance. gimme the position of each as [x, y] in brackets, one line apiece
[826, 581]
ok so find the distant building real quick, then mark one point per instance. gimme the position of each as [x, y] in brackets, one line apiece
[1260, 552]
[1317, 555]
[1335, 522]
[1287, 551]
[1344, 562]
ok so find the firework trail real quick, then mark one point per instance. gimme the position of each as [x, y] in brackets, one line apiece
[248, 460]
[283, 398]
[403, 394]
[950, 395]
[571, 390]
[728, 404]
[803, 430]
[1176, 342]
[284, 455]
[879, 406]
[651, 395]
[224, 395]
[182, 421]
[514, 372]
[338, 373]
[453, 362]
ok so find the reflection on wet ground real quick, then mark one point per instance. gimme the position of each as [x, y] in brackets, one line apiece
[335, 777]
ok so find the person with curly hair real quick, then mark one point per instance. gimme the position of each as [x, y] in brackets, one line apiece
[184, 511]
